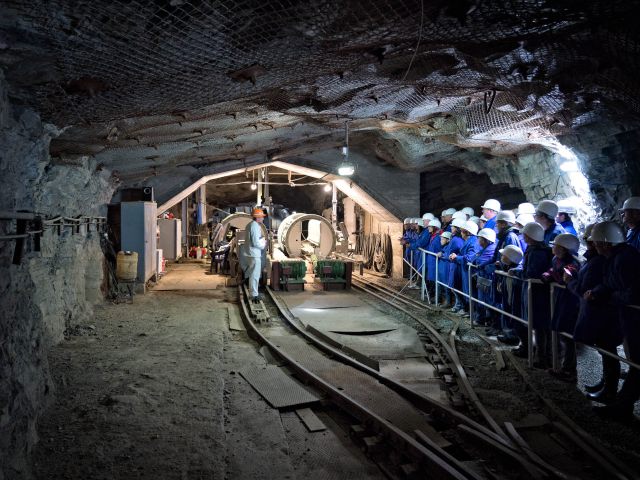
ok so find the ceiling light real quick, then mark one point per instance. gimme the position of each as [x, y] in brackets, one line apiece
[254, 186]
[327, 187]
[346, 168]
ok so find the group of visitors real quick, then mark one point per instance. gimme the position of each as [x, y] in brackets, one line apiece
[515, 257]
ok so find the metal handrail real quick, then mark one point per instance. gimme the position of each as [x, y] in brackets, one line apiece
[555, 350]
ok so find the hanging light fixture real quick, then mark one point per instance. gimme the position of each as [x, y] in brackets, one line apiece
[254, 186]
[327, 187]
[346, 168]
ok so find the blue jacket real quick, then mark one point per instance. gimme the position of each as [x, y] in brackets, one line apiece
[633, 237]
[485, 258]
[537, 260]
[491, 223]
[568, 227]
[620, 286]
[595, 325]
[510, 237]
[467, 254]
[565, 304]
[552, 232]
[455, 246]
[435, 246]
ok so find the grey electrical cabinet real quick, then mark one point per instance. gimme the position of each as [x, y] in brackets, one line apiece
[170, 237]
[138, 234]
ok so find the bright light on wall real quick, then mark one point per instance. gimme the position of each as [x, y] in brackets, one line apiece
[569, 166]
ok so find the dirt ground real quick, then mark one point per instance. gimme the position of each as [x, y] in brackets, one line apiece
[152, 390]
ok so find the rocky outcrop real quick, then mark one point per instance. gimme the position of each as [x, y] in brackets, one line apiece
[50, 290]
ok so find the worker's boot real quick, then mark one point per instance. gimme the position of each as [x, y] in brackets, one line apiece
[610, 377]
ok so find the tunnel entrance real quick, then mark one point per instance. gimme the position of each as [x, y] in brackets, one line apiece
[458, 188]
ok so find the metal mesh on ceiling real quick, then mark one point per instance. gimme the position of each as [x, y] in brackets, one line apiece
[543, 60]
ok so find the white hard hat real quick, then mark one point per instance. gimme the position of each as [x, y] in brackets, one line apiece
[468, 211]
[492, 204]
[414, 220]
[631, 203]
[488, 234]
[609, 232]
[430, 216]
[470, 227]
[524, 218]
[568, 241]
[458, 222]
[548, 207]
[483, 218]
[444, 212]
[459, 214]
[506, 216]
[446, 235]
[513, 253]
[406, 220]
[534, 230]
[527, 208]
[449, 211]
[474, 219]
[565, 207]
[435, 223]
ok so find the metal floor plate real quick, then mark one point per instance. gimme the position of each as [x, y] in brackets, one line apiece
[278, 388]
[400, 343]
[358, 385]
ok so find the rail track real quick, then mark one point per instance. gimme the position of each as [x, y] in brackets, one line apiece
[461, 440]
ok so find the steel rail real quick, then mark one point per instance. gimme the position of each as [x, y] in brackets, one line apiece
[457, 363]
[425, 458]
[605, 459]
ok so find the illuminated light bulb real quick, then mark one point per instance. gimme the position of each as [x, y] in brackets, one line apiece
[345, 169]
[327, 188]
[254, 186]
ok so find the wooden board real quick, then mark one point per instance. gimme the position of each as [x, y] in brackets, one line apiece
[234, 320]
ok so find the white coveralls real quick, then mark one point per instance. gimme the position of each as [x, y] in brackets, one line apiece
[254, 243]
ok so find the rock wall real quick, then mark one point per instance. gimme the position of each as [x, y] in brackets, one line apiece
[47, 291]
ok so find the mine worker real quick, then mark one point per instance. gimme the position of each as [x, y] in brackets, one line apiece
[482, 221]
[526, 208]
[510, 291]
[254, 244]
[468, 211]
[595, 325]
[546, 216]
[475, 220]
[630, 212]
[454, 279]
[536, 261]
[422, 241]
[469, 230]
[484, 262]
[564, 265]
[406, 237]
[620, 287]
[506, 236]
[490, 209]
[447, 218]
[443, 268]
[521, 220]
[564, 219]
[435, 246]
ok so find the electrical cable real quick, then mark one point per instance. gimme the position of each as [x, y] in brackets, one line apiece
[415, 52]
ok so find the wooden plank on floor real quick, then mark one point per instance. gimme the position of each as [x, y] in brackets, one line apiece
[235, 323]
[310, 420]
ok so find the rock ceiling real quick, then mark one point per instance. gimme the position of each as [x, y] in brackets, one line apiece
[147, 88]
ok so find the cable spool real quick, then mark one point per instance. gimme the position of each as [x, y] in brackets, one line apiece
[320, 234]
[236, 220]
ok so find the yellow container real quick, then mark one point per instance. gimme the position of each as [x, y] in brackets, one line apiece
[127, 265]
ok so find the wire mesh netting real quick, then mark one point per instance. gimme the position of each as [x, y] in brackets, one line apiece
[500, 69]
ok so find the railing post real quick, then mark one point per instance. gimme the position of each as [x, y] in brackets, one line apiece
[530, 323]
[422, 270]
[411, 272]
[437, 279]
[470, 295]
[555, 354]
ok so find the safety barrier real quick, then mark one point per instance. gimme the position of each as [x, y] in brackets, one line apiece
[555, 337]
[529, 322]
